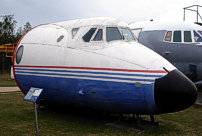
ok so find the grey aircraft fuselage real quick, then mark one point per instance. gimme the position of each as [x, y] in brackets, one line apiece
[182, 46]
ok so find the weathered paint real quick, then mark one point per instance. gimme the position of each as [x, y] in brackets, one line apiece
[96, 74]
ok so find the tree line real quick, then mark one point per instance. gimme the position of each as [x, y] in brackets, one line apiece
[8, 34]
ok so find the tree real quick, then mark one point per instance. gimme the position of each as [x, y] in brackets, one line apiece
[7, 29]
[21, 32]
[27, 27]
[7, 35]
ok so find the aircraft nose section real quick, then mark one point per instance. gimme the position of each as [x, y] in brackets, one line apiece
[174, 92]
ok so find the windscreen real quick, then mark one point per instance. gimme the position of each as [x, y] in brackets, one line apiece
[89, 34]
[197, 37]
[98, 36]
[177, 36]
[127, 34]
[187, 36]
[200, 32]
[113, 34]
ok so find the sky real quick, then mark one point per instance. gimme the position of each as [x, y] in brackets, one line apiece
[50, 11]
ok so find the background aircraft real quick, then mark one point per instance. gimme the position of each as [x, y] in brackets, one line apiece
[96, 63]
[179, 42]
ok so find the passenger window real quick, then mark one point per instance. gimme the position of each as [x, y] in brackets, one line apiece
[168, 36]
[113, 34]
[74, 31]
[177, 36]
[98, 36]
[89, 34]
[197, 37]
[187, 36]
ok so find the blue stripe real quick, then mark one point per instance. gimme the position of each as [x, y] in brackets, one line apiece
[114, 97]
[119, 78]
[89, 72]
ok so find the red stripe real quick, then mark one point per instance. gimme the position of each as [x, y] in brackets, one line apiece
[91, 68]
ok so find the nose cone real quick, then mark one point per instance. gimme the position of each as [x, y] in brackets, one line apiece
[174, 92]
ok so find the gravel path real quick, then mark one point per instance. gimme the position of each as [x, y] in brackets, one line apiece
[9, 89]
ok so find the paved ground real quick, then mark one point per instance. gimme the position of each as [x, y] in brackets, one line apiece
[9, 89]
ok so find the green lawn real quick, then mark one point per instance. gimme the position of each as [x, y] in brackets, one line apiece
[16, 119]
[5, 80]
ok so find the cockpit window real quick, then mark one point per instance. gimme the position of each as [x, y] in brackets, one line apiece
[200, 32]
[98, 36]
[177, 36]
[168, 36]
[74, 31]
[127, 34]
[89, 34]
[113, 34]
[187, 36]
[197, 37]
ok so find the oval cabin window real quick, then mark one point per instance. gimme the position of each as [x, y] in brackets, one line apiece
[60, 38]
[19, 54]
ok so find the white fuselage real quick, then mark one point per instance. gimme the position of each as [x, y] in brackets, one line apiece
[96, 71]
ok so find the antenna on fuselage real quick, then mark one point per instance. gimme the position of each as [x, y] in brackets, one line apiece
[197, 13]
[166, 70]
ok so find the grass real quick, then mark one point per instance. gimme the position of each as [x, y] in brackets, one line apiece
[16, 119]
[5, 80]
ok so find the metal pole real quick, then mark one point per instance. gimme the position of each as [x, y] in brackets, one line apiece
[138, 121]
[152, 119]
[197, 14]
[3, 63]
[184, 15]
[36, 120]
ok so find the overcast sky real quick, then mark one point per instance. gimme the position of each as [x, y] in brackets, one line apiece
[50, 11]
